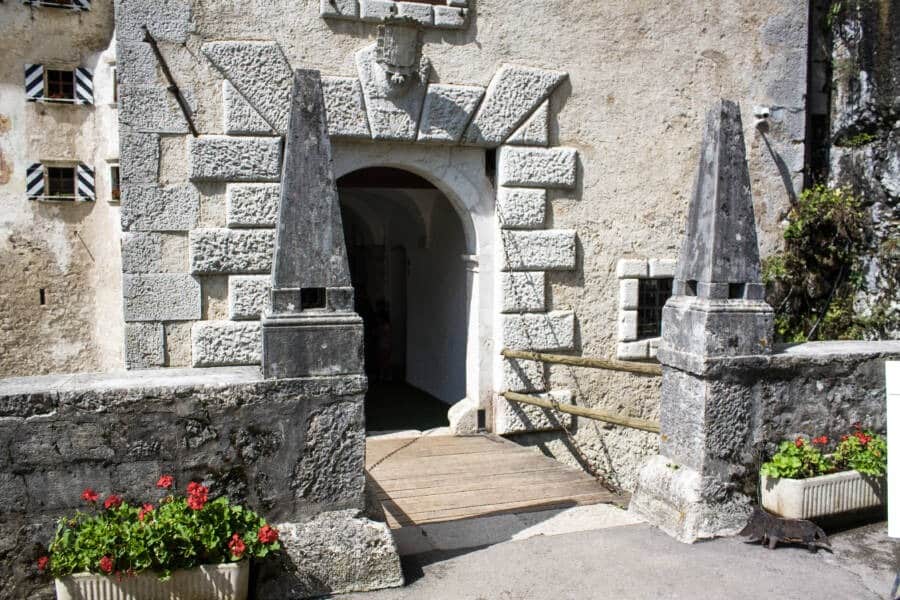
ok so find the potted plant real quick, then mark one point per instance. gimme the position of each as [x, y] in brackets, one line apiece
[803, 480]
[182, 547]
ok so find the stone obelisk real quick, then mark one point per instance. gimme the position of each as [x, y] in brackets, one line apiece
[311, 329]
[716, 321]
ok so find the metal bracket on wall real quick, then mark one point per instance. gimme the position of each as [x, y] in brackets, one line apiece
[173, 87]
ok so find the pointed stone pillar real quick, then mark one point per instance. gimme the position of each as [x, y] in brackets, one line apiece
[311, 329]
[716, 319]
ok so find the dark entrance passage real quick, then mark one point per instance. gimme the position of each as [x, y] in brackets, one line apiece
[405, 246]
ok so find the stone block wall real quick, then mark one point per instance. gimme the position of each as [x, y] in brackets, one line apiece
[291, 449]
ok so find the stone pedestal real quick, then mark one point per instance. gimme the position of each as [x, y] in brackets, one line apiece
[693, 489]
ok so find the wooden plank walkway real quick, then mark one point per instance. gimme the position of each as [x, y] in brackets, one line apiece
[431, 479]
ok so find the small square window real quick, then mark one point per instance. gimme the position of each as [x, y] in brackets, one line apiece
[114, 191]
[652, 296]
[61, 183]
[60, 85]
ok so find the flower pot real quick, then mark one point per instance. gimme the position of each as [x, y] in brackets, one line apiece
[206, 582]
[823, 495]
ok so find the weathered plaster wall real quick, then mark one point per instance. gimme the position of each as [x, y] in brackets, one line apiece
[70, 249]
[640, 75]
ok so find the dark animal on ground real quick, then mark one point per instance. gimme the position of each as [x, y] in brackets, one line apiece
[769, 529]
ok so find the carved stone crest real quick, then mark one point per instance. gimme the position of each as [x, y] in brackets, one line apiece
[398, 49]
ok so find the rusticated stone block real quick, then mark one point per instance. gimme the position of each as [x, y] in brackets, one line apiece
[221, 158]
[141, 253]
[151, 208]
[248, 296]
[225, 343]
[251, 204]
[522, 208]
[152, 108]
[513, 94]
[145, 345]
[240, 117]
[377, 10]
[451, 17]
[417, 11]
[629, 292]
[346, 9]
[631, 268]
[138, 158]
[524, 375]
[538, 167]
[260, 72]
[536, 130]
[539, 250]
[524, 291]
[161, 297]
[539, 331]
[167, 20]
[516, 417]
[225, 251]
[345, 107]
[447, 111]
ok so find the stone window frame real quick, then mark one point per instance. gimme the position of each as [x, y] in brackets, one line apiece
[72, 5]
[629, 272]
[447, 14]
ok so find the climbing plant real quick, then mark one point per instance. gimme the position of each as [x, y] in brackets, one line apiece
[817, 284]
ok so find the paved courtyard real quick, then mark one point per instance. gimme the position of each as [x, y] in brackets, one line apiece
[639, 561]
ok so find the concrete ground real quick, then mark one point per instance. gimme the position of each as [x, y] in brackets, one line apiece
[638, 561]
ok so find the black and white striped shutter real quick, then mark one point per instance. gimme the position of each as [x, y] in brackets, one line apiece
[82, 4]
[84, 85]
[84, 176]
[34, 82]
[34, 181]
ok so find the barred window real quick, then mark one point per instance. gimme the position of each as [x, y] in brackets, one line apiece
[652, 296]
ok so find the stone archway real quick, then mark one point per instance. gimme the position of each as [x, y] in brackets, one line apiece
[407, 254]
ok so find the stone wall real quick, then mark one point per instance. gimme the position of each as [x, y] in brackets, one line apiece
[292, 449]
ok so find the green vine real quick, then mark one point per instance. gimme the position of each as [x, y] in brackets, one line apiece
[817, 284]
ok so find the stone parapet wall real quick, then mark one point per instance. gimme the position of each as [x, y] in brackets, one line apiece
[290, 449]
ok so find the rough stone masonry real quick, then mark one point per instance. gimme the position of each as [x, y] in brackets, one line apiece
[293, 449]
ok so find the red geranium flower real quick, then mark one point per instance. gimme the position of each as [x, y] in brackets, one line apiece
[43, 562]
[821, 440]
[198, 494]
[89, 495]
[106, 564]
[799, 442]
[267, 534]
[165, 482]
[145, 510]
[863, 438]
[112, 501]
[237, 546]
[845, 437]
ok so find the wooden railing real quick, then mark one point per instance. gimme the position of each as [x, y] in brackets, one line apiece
[590, 363]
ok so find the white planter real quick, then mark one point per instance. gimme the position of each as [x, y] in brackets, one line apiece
[822, 495]
[206, 582]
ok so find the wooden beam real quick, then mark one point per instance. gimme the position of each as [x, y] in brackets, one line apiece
[589, 413]
[591, 363]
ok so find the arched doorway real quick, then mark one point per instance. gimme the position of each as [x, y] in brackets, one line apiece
[406, 248]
